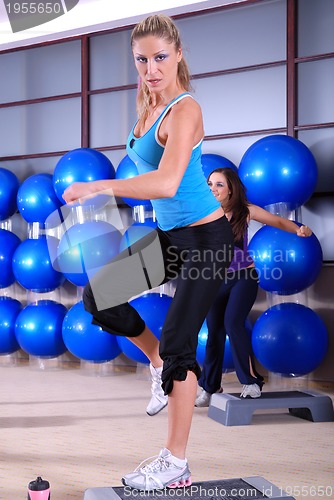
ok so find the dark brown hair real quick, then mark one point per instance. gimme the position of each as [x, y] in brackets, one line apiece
[238, 203]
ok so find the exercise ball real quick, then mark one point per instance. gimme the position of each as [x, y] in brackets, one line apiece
[135, 232]
[277, 169]
[36, 198]
[85, 340]
[228, 364]
[153, 308]
[126, 170]
[211, 161]
[82, 165]
[290, 339]
[38, 329]
[286, 263]
[9, 310]
[9, 185]
[33, 267]
[8, 244]
[85, 248]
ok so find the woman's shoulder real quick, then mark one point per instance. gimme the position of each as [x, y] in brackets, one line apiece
[253, 210]
[183, 119]
[188, 106]
[188, 99]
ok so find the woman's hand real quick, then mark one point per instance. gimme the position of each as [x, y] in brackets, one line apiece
[304, 231]
[79, 192]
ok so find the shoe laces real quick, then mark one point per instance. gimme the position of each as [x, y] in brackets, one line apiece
[158, 464]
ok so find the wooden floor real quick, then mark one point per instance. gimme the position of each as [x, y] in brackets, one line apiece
[83, 427]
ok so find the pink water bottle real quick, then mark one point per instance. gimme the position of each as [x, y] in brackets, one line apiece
[39, 489]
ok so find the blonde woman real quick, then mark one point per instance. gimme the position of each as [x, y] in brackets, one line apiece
[165, 143]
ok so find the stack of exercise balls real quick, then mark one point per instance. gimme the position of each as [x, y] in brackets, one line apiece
[9, 306]
[38, 325]
[32, 265]
[85, 246]
[289, 338]
[277, 170]
[9, 186]
[88, 245]
[36, 262]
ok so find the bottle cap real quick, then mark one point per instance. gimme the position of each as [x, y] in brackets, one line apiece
[39, 485]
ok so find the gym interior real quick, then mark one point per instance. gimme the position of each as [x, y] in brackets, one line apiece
[72, 410]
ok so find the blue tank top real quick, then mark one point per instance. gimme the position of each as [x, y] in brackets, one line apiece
[193, 199]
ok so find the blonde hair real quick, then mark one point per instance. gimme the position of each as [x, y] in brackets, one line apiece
[160, 26]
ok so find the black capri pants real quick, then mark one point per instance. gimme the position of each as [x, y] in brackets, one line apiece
[196, 257]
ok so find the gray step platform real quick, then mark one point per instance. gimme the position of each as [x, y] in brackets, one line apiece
[230, 409]
[248, 488]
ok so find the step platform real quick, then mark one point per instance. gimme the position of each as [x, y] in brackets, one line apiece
[248, 488]
[230, 409]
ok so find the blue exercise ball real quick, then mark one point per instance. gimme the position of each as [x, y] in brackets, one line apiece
[9, 185]
[211, 161]
[153, 308]
[228, 364]
[9, 310]
[33, 267]
[38, 329]
[290, 339]
[85, 340]
[82, 165]
[286, 263]
[85, 248]
[135, 232]
[36, 198]
[278, 169]
[8, 244]
[126, 170]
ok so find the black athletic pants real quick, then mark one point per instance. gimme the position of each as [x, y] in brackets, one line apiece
[197, 257]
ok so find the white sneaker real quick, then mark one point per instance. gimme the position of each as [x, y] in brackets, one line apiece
[203, 399]
[159, 474]
[158, 400]
[250, 391]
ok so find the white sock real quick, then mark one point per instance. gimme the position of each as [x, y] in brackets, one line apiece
[178, 461]
[158, 370]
